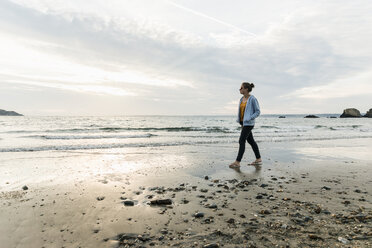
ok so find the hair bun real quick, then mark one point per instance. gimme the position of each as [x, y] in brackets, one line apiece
[252, 85]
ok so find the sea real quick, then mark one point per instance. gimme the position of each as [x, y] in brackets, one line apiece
[29, 134]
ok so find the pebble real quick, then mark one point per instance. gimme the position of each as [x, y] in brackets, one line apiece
[211, 205]
[209, 220]
[326, 188]
[266, 211]
[128, 203]
[326, 212]
[231, 221]
[100, 198]
[25, 187]
[315, 237]
[317, 210]
[199, 215]
[161, 202]
[361, 237]
[211, 246]
[308, 218]
[343, 240]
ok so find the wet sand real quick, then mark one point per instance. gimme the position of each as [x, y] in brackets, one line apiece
[292, 202]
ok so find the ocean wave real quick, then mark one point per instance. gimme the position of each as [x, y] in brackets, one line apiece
[71, 130]
[269, 127]
[348, 126]
[169, 129]
[209, 137]
[119, 129]
[233, 140]
[283, 139]
[289, 131]
[75, 137]
[101, 146]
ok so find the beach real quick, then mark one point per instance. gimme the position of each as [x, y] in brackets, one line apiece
[120, 122]
[306, 194]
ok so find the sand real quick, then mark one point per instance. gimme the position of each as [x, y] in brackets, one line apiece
[104, 200]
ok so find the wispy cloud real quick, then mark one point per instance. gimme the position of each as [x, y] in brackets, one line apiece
[198, 13]
[81, 88]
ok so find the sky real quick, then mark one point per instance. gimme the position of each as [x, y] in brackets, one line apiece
[184, 57]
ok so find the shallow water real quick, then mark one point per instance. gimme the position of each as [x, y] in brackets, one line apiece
[29, 134]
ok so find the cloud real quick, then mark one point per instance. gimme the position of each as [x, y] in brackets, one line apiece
[37, 51]
[354, 85]
[128, 46]
[82, 88]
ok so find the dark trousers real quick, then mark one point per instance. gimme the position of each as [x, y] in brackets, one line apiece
[246, 135]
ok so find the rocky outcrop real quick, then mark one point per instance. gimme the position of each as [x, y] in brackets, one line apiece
[351, 113]
[311, 116]
[368, 114]
[9, 113]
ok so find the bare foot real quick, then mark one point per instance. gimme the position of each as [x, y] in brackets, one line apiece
[236, 164]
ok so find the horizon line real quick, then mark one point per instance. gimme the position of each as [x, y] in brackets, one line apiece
[174, 115]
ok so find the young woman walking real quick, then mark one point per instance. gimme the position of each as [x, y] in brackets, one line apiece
[248, 111]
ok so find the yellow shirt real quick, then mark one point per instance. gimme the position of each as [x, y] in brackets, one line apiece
[242, 109]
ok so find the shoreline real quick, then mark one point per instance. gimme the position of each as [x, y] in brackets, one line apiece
[292, 202]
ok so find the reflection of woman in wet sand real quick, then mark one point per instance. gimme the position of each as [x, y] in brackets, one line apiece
[248, 111]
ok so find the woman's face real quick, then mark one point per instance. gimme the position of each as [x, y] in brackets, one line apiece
[243, 90]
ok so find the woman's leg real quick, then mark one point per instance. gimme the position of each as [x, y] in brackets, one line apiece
[246, 130]
[254, 145]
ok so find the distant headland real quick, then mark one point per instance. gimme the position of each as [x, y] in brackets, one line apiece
[355, 113]
[347, 113]
[8, 113]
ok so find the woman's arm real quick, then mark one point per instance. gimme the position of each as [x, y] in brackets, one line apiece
[256, 109]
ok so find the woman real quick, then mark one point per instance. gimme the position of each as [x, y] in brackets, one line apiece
[248, 111]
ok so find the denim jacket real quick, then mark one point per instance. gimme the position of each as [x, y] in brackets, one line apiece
[251, 112]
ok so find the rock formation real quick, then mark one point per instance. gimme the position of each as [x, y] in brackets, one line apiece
[351, 112]
[9, 113]
[368, 114]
